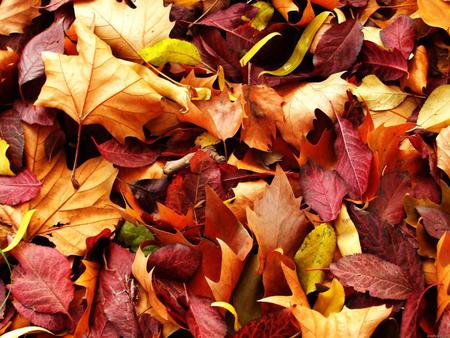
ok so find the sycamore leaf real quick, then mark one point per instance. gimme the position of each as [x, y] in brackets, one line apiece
[332, 300]
[377, 95]
[15, 15]
[435, 13]
[20, 188]
[95, 87]
[316, 252]
[347, 237]
[435, 113]
[171, 50]
[127, 30]
[443, 273]
[41, 286]
[301, 101]
[365, 272]
[443, 150]
[355, 323]
[276, 219]
[5, 166]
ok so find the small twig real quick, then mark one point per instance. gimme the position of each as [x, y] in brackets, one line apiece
[176, 165]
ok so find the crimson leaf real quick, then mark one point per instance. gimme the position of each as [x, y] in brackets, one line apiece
[35, 115]
[400, 34]
[435, 221]
[204, 321]
[20, 188]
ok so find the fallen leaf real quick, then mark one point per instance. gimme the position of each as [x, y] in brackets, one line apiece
[435, 220]
[435, 113]
[358, 323]
[12, 132]
[95, 87]
[245, 193]
[377, 95]
[435, 13]
[17, 14]
[41, 286]
[417, 78]
[443, 150]
[400, 35]
[134, 235]
[204, 321]
[443, 274]
[302, 100]
[31, 114]
[19, 189]
[332, 300]
[5, 166]
[316, 253]
[24, 331]
[368, 273]
[347, 237]
[276, 219]
[323, 190]
[126, 29]
[171, 50]
[413, 312]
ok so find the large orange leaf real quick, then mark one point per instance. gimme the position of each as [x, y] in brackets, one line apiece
[435, 13]
[127, 30]
[443, 273]
[302, 100]
[276, 219]
[15, 15]
[355, 323]
[94, 87]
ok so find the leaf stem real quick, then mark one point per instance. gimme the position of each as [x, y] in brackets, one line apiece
[74, 181]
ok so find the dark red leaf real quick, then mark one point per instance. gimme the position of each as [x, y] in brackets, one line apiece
[118, 291]
[277, 324]
[30, 64]
[175, 262]
[435, 221]
[389, 202]
[400, 35]
[387, 65]
[414, 309]
[149, 191]
[204, 321]
[20, 188]
[230, 18]
[41, 286]
[444, 326]
[12, 132]
[387, 242]
[150, 327]
[353, 159]
[338, 48]
[101, 327]
[35, 115]
[132, 154]
[368, 273]
[352, 3]
[323, 190]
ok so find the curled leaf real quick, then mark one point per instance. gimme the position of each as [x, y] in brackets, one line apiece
[171, 50]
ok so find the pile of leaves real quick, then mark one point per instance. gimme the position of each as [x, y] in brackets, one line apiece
[225, 168]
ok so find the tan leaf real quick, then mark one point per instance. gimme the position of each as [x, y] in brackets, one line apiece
[276, 219]
[443, 150]
[395, 116]
[355, 323]
[96, 88]
[435, 13]
[302, 100]
[127, 30]
[15, 15]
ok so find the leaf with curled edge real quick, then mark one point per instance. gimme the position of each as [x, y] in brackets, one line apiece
[94, 87]
[127, 30]
[368, 273]
[15, 15]
[41, 286]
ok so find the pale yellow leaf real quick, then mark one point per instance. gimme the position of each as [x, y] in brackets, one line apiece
[15, 15]
[443, 150]
[5, 165]
[435, 113]
[346, 233]
[21, 231]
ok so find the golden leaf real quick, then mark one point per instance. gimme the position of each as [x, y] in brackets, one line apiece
[5, 165]
[96, 88]
[435, 112]
[435, 13]
[332, 300]
[443, 273]
[127, 30]
[15, 15]
[443, 150]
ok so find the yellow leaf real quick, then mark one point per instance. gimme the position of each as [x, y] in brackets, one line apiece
[435, 13]
[205, 140]
[15, 15]
[21, 231]
[394, 117]
[443, 273]
[443, 150]
[171, 50]
[263, 16]
[435, 113]
[377, 95]
[354, 323]
[94, 87]
[346, 233]
[25, 331]
[332, 300]
[373, 34]
[256, 47]
[127, 30]
[301, 47]
[316, 252]
[232, 310]
[5, 166]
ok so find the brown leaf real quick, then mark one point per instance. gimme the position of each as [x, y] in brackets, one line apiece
[15, 15]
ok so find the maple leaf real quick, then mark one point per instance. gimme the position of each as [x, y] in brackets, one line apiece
[127, 30]
[15, 15]
[41, 286]
[95, 87]
[276, 219]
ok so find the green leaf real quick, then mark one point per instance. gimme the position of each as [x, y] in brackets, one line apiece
[264, 15]
[301, 48]
[171, 50]
[316, 252]
[133, 235]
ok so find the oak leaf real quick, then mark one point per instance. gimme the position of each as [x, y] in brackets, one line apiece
[95, 87]
[127, 30]
[15, 15]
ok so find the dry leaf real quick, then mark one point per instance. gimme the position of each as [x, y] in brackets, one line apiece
[435, 13]
[443, 273]
[15, 15]
[127, 30]
[417, 79]
[443, 150]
